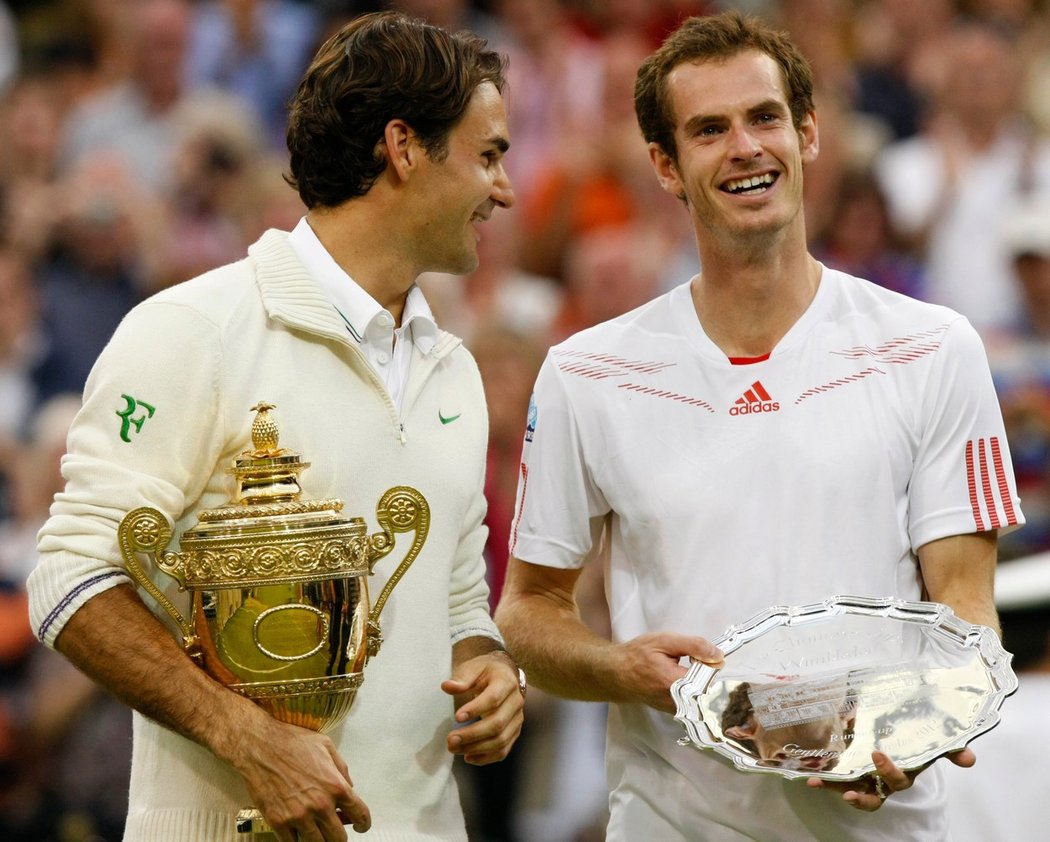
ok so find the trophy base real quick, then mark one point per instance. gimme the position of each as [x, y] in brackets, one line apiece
[252, 825]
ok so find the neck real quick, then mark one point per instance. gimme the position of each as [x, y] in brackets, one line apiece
[350, 233]
[748, 301]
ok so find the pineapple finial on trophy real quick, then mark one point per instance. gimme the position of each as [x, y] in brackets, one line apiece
[265, 436]
[267, 473]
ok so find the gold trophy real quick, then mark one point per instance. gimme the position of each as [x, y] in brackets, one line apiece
[280, 610]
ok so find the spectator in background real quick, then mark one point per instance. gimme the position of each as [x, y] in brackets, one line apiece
[21, 345]
[608, 273]
[94, 273]
[74, 45]
[1009, 14]
[9, 58]
[30, 122]
[649, 20]
[269, 201]
[20, 348]
[1020, 362]
[1036, 89]
[133, 117]
[862, 241]
[256, 49]
[454, 15]
[602, 178]
[824, 31]
[1025, 232]
[892, 40]
[554, 84]
[219, 141]
[948, 186]
[64, 743]
[30, 126]
[37, 478]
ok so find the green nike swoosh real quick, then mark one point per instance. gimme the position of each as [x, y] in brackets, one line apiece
[449, 419]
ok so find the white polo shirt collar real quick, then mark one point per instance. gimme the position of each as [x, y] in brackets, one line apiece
[369, 324]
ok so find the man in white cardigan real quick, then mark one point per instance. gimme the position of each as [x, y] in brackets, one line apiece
[397, 136]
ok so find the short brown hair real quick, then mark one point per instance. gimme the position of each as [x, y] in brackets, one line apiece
[377, 68]
[715, 38]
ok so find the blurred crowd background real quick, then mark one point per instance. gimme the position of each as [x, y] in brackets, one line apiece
[141, 142]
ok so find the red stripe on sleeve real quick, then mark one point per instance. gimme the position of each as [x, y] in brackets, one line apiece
[972, 483]
[1004, 489]
[521, 506]
[986, 486]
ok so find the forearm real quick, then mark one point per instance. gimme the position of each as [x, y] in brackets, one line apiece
[472, 647]
[294, 776]
[558, 652]
[540, 620]
[971, 605]
[117, 641]
[959, 571]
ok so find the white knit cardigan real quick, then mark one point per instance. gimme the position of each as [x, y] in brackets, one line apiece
[167, 409]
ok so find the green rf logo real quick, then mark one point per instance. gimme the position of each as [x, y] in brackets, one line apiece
[128, 419]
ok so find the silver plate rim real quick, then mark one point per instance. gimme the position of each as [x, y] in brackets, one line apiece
[940, 618]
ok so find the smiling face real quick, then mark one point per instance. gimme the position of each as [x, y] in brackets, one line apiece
[460, 190]
[739, 156]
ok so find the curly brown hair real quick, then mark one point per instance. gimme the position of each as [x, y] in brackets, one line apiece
[714, 38]
[379, 67]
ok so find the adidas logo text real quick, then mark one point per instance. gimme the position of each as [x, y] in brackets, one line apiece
[755, 399]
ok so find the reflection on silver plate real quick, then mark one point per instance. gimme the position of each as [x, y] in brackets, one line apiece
[812, 690]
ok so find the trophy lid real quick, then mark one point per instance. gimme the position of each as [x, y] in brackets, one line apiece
[268, 497]
[266, 473]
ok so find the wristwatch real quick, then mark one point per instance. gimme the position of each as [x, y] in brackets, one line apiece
[523, 685]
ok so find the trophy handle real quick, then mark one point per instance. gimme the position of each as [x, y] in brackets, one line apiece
[145, 530]
[401, 509]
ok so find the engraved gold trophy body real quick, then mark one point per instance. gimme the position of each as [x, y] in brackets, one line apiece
[280, 610]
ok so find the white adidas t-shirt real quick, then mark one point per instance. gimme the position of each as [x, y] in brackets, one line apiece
[872, 429]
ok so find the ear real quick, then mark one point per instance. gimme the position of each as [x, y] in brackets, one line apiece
[809, 140]
[401, 148]
[741, 732]
[666, 171]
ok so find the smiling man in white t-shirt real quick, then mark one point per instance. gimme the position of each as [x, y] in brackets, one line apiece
[773, 432]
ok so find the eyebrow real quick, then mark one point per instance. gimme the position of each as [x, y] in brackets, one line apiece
[698, 120]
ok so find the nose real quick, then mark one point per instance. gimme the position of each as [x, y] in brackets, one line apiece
[742, 144]
[502, 191]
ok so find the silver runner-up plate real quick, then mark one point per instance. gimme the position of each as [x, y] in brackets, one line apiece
[813, 690]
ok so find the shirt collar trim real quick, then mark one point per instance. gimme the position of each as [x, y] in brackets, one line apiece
[356, 307]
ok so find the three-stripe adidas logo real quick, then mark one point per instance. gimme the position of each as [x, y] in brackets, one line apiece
[755, 399]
